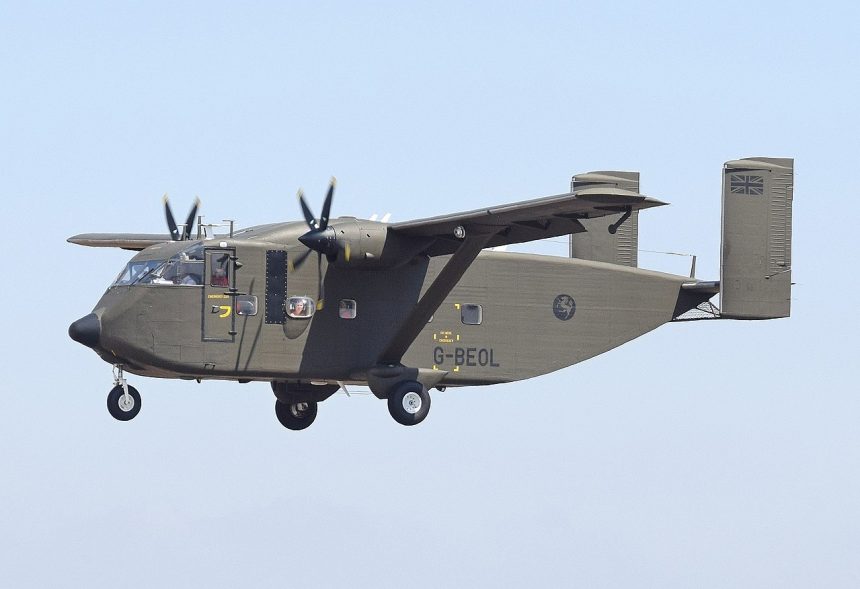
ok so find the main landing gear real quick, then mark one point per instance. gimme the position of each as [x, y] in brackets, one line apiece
[296, 416]
[296, 404]
[409, 402]
[123, 401]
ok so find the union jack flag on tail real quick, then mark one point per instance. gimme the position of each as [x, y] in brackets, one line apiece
[743, 184]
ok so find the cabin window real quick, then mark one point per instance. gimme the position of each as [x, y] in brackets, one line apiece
[246, 305]
[347, 309]
[300, 307]
[471, 314]
[218, 269]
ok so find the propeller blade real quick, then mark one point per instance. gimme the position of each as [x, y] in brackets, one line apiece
[346, 251]
[306, 211]
[327, 204]
[320, 297]
[171, 222]
[189, 222]
[295, 265]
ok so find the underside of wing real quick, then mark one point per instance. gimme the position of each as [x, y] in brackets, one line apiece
[528, 220]
[126, 241]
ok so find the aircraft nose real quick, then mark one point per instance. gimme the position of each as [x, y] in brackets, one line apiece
[86, 330]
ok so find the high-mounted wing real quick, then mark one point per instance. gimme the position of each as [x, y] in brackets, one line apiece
[523, 221]
[465, 234]
[126, 241]
[140, 241]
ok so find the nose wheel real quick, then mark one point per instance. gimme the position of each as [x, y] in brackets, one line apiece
[123, 401]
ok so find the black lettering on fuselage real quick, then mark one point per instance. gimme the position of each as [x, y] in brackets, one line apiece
[465, 357]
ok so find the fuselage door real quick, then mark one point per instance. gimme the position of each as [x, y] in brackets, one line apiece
[219, 322]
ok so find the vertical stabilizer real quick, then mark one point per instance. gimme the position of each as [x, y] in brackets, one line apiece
[755, 260]
[596, 243]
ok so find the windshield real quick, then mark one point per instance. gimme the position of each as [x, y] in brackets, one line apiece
[183, 269]
[134, 271]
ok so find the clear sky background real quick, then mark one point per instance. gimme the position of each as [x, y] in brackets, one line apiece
[720, 454]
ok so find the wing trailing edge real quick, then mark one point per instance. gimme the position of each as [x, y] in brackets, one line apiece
[529, 220]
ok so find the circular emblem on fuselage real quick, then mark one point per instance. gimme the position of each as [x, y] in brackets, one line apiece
[564, 307]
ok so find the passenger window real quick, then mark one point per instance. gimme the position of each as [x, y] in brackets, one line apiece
[471, 314]
[300, 307]
[218, 269]
[246, 305]
[347, 309]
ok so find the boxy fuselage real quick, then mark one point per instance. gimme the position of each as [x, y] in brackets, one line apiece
[510, 317]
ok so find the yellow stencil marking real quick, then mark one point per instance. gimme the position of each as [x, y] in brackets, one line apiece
[225, 310]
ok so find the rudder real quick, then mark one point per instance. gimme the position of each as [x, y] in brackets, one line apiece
[598, 244]
[755, 257]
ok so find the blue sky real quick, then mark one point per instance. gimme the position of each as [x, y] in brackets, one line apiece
[719, 454]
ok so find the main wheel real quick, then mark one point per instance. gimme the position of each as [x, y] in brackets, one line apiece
[121, 407]
[409, 403]
[296, 416]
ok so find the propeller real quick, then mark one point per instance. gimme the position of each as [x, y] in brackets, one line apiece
[175, 233]
[321, 238]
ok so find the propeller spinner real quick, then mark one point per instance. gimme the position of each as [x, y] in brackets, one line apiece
[321, 238]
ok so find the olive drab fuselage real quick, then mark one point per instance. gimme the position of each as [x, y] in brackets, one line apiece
[409, 306]
[500, 323]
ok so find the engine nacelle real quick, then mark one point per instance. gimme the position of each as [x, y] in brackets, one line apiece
[362, 243]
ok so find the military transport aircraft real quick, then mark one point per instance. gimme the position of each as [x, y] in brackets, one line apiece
[403, 308]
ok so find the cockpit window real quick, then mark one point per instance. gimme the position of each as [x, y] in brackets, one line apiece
[134, 271]
[194, 253]
[183, 269]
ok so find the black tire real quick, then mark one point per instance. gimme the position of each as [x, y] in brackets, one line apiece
[293, 417]
[409, 403]
[281, 391]
[115, 408]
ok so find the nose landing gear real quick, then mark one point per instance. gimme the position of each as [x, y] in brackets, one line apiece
[123, 401]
